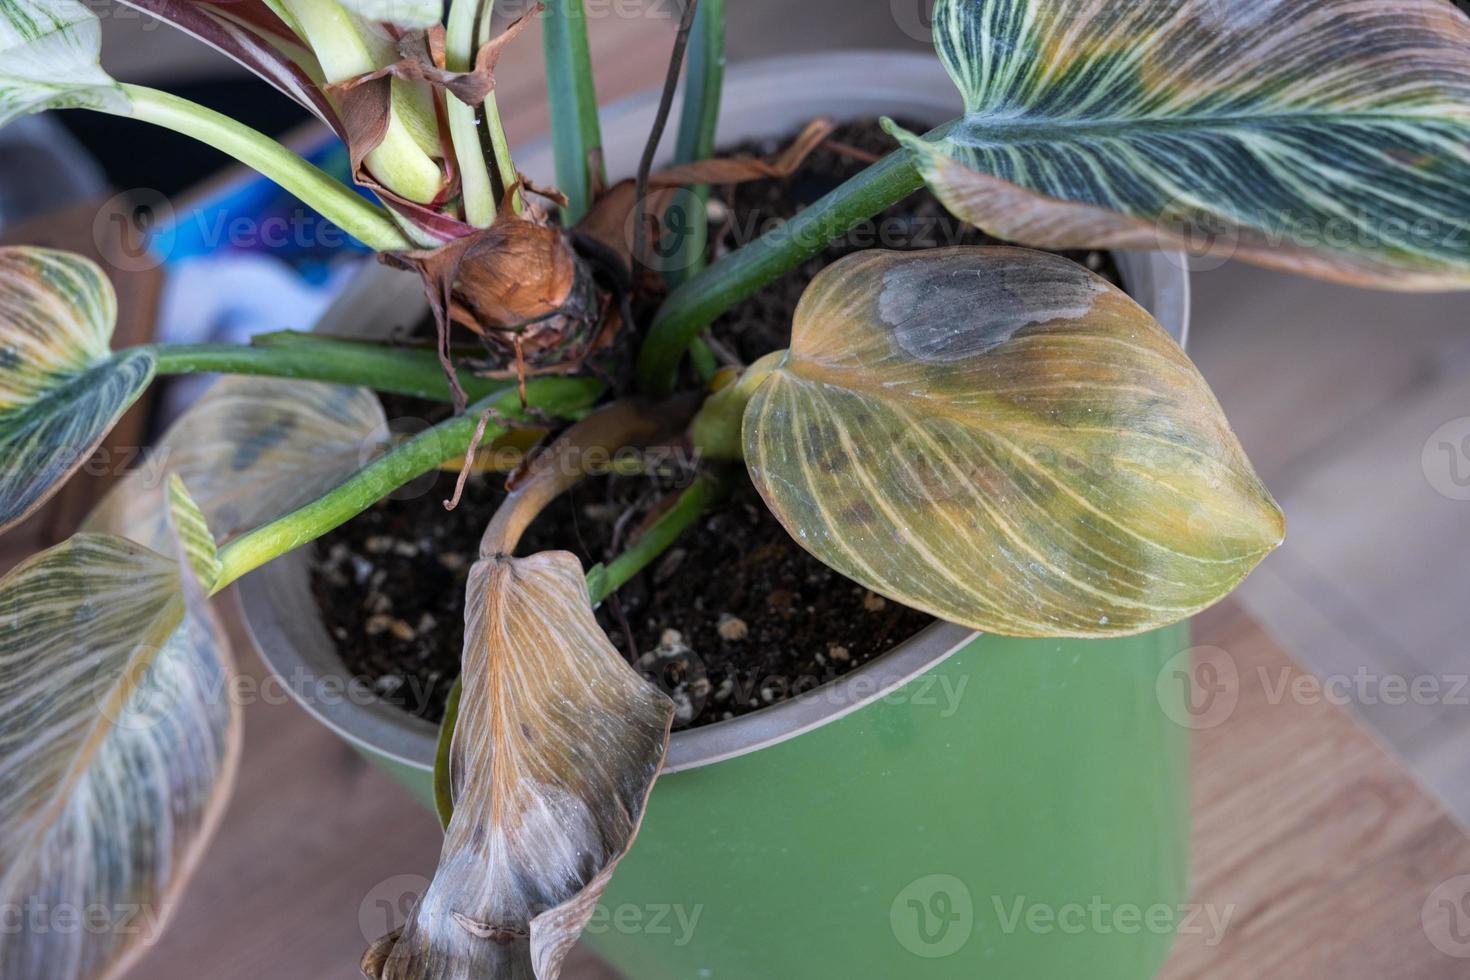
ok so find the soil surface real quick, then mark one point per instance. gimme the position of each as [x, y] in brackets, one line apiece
[735, 616]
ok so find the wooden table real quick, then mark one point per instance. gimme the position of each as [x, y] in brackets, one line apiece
[1323, 843]
[1317, 844]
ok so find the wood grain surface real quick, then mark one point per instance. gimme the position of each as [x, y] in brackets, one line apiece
[1316, 844]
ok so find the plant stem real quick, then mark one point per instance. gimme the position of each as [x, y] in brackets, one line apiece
[718, 430]
[656, 135]
[585, 449]
[698, 497]
[339, 203]
[398, 161]
[500, 145]
[416, 373]
[554, 396]
[576, 132]
[704, 84]
[499, 142]
[695, 305]
[477, 188]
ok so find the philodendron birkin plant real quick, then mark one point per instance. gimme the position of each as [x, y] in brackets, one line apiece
[922, 434]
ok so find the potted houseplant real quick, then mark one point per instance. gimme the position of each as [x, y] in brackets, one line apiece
[995, 436]
[768, 796]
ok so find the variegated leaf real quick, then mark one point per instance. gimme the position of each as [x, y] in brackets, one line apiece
[118, 746]
[195, 540]
[557, 746]
[61, 389]
[252, 33]
[1325, 137]
[250, 450]
[49, 52]
[1001, 438]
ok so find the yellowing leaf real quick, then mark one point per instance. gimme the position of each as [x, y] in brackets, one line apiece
[250, 450]
[1003, 439]
[118, 743]
[556, 748]
[1325, 137]
[60, 388]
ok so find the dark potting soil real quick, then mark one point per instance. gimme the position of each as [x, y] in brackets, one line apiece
[735, 616]
[763, 323]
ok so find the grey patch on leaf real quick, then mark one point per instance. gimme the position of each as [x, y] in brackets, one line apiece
[249, 452]
[954, 310]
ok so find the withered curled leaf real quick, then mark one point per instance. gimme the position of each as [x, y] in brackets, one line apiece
[555, 752]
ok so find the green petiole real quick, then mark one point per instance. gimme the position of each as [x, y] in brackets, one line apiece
[340, 204]
[476, 186]
[695, 305]
[576, 132]
[550, 396]
[698, 497]
[704, 81]
[416, 373]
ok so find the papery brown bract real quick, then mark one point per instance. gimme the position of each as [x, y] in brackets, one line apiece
[521, 286]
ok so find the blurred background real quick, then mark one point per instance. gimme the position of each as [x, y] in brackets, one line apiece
[1354, 406]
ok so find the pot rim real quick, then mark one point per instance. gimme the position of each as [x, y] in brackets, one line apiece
[280, 612]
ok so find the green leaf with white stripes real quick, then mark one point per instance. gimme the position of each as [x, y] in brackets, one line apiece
[49, 53]
[118, 746]
[1001, 438]
[250, 451]
[1325, 137]
[195, 539]
[61, 389]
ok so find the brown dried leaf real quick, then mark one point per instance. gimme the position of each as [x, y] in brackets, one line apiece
[610, 221]
[365, 111]
[421, 59]
[738, 170]
[557, 747]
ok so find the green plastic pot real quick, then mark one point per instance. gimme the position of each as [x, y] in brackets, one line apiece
[965, 806]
